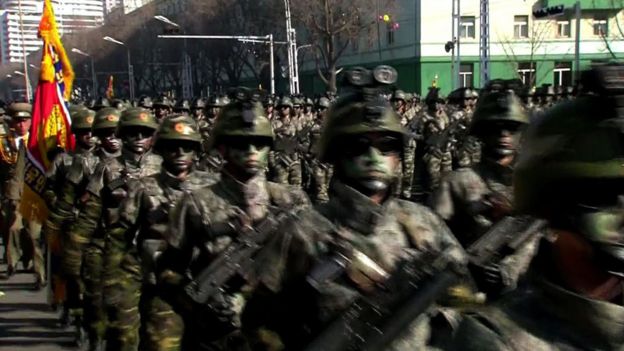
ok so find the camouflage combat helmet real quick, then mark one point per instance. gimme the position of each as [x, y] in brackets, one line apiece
[576, 146]
[83, 119]
[285, 101]
[308, 102]
[178, 127]
[297, 101]
[323, 102]
[137, 117]
[119, 104]
[106, 118]
[75, 108]
[361, 111]
[183, 106]
[101, 103]
[498, 106]
[269, 101]
[242, 117]
[398, 95]
[146, 102]
[163, 101]
[198, 104]
[218, 101]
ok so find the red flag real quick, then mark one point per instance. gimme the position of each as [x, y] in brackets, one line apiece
[51, 122]
[110, 90]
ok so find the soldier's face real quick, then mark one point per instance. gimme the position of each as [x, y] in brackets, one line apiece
[370, 161]
[284, 111]
[85, 138]
[137, 139]
[110, 142]
[398, 105]
[502, 138]
[213, 111]
[198, 113]
[161, 112]
[178, 156]
[21, 125]
[246, 155]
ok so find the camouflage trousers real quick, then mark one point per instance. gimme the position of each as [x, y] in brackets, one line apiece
[22, 242]
[161, 327]
[321, 178]
[122, 291]
[95, 320]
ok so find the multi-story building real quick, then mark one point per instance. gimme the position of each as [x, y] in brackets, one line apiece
[537, 51]
[19, 32]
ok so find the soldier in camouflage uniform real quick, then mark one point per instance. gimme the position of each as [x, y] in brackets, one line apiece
[205, 222]
[57, 224]
[197, 109]
[363, 139]
[21, 236]
[284, 160]
[163, 106]
[107, 187]
[67, 208]
[319, 173]
[145, 102]
[139, 237]
[269, 107]
[570, 174]
[472, 199]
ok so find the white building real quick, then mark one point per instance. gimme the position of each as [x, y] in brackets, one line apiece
[71, 15]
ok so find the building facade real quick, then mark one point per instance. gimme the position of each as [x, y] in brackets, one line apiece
[18, 33]
[536, 50]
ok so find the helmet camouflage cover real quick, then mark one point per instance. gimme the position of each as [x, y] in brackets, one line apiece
[363, 110]
[498, 106]
[245, 116]
[576, 141]
[137, 117]
[178, 127]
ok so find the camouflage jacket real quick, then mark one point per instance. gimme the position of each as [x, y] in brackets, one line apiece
[389, 233]
[109, 185]
[60, 168]
[462, 198]
[141, 229]
[542, 316]
[74, 184]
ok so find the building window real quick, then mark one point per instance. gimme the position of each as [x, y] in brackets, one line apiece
[467, 27]
[601, 27]
[563, 29]
[563, 74]
[466, 75]
[390, 30]
[521, 26]
[526, 73]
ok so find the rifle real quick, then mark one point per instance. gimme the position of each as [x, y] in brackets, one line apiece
[371, 323]
[237, 260]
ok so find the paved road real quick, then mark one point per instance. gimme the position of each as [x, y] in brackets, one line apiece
[26, 320]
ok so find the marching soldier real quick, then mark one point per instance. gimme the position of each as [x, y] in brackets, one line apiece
[209, 220]
[83, 293]
[22, 239]
[363, 221]
[107, 187]
[569, 174]
[472, 199]
[197, 109]
[57, 224]
[284, 162]
[138, 237]
[163, 106]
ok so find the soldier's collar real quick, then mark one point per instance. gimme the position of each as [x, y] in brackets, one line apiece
[173, 181]
[243, 192]
[354, 209]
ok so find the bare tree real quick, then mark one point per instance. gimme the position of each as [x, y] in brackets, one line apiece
[331, 25]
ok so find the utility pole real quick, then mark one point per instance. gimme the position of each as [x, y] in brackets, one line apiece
[24, 55]
[484, 43]
[292, 51]
[577, 41]
[456, 53]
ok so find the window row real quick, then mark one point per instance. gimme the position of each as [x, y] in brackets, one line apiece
[467, 25]
[562, 74]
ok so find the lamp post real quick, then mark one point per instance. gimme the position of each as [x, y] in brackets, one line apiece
[187, 68]
[25, 56]
[130, 69]
[93, 76]
[297, 61]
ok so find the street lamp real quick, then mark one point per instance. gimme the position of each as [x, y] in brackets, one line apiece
[93, 76]
[130, 69]
[187, 68]
[297, 60]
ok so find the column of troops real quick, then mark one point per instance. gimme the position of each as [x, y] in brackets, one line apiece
[372, 220]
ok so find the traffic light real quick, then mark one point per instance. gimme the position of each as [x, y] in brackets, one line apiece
[550, 11]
